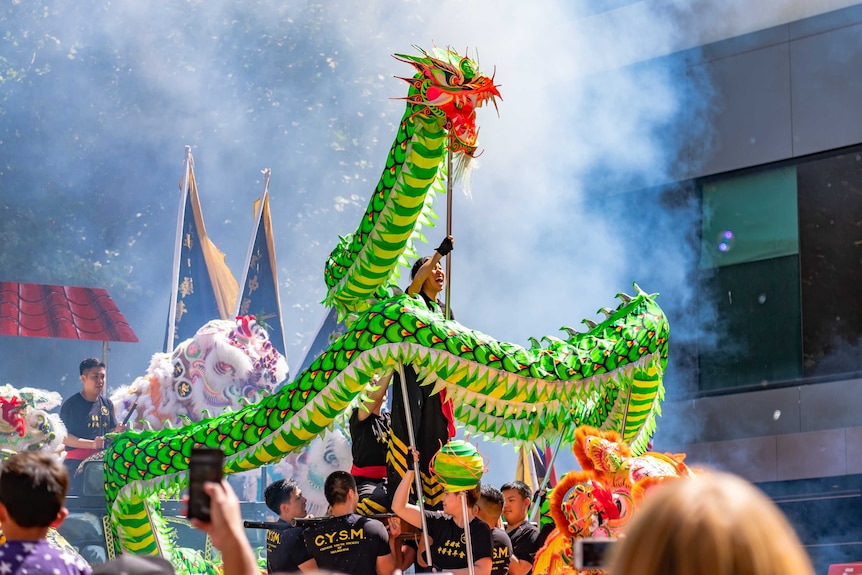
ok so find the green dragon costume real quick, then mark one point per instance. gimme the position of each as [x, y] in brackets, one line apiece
[609, 377]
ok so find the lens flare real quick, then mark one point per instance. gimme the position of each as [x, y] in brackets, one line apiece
[726, 240]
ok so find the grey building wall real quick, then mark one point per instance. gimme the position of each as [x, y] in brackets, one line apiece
[796, 432]
[784, 92]
[781, 93]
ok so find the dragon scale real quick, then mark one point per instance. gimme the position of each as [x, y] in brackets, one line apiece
[364, 261]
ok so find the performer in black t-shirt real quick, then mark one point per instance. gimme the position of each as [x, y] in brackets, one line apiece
[524, 535]
[488, 509]
[432, 414]
[346, 542]
[285, 547]
[446, 529]
[369, 435]
[88, 416]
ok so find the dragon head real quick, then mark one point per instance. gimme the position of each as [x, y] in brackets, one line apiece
[450, 87]
[602, 451]
[225, 363]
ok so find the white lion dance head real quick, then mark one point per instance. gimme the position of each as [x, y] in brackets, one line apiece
[25, 424]
[311, 465]
[223, 365]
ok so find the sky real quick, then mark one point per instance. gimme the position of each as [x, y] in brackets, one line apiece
[550, 232]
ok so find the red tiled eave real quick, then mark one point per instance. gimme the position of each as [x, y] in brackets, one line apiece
[38, 310]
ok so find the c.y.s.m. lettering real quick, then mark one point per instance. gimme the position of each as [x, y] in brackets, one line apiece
[340, 536]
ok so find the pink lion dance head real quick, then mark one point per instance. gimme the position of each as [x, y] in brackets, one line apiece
[226, 364]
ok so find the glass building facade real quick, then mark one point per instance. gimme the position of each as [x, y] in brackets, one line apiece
[780, 264]
[765, 373]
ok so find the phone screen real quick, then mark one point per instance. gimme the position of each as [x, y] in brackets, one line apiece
[204, 465]
[592, 553]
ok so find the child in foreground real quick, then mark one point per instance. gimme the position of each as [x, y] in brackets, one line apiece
[33, 488]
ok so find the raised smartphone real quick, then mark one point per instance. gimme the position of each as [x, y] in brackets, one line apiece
[205, 464]
[591, 553]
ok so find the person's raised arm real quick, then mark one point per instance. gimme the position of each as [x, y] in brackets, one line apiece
[226, 530]
[400, 506]
[375, 397]
[424, 271]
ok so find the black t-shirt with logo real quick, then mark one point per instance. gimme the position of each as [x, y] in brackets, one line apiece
[285, 548]
[348, 544]
[88, 419]
[449, 548]
[502, 552]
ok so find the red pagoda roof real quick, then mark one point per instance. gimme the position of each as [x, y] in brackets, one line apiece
[38, 310]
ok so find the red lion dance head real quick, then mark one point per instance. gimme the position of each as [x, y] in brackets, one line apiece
[598, 501]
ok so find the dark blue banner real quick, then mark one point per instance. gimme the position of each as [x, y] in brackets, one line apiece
[260, 290]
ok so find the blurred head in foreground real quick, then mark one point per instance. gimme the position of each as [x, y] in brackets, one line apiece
[711, 524]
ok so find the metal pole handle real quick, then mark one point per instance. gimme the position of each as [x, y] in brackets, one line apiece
[416, 473]
[467, 535]
[449, 187]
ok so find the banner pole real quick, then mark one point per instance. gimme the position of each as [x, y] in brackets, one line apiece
[449, 188]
